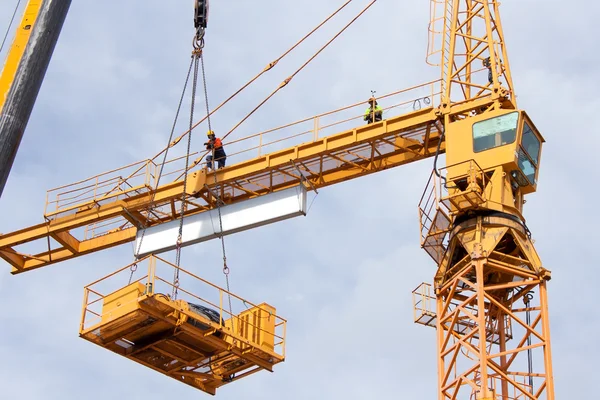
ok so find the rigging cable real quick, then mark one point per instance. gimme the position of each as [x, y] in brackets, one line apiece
[283, 84]
[274, 62]
[267, 68]
[287, 80]
[162, 165]
[195, 56]
[442, 130]
[10, 25]
[527, 300]
[198, 53]
[217, 199]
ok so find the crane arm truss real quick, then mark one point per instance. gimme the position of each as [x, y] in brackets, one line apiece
[77, 227]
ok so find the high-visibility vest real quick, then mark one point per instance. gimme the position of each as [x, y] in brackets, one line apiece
[370, 110]
[214, 144]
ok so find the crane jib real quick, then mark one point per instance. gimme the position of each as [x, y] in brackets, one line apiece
[24, 72]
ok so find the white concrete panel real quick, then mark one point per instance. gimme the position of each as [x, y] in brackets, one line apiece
[236, 217]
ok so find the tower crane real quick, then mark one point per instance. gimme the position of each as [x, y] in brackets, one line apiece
[488, 301]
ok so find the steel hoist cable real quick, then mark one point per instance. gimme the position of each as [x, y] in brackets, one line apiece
[527, 300]
[267, 68]
[198, 46]
[162, 165]
[195, 57]
[217, 199]
[272, 64]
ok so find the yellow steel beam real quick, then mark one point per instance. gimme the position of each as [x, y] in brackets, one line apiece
[67, 240]
[326, 161]
[62, 254]
[95, 215]
[18, 48]
[16, 260]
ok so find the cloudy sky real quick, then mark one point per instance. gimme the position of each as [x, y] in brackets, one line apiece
[343, 275]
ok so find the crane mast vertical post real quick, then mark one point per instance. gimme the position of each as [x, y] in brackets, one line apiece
[477, 234]
[474, 62]
[24, 73]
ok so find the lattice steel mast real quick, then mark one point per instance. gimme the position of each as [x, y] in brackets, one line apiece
[491, 345]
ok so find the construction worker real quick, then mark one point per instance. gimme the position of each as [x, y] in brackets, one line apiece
[488, 64]
[218, 153]
[374, 112]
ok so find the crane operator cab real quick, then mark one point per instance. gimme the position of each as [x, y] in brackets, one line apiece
[495, 158]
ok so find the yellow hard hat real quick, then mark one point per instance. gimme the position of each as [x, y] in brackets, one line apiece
[210, 133]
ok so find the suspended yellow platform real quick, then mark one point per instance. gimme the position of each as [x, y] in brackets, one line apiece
[187, 330]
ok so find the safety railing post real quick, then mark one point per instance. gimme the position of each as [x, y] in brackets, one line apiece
[421, 296]
[147, 178]
[96, 188]
[84, 309]
[220, 308]
[284, 337]
[152, 272]
[428, 298]
[260, 138]
[414, 306]
[46, 205]
[155, 182]
[316, 129]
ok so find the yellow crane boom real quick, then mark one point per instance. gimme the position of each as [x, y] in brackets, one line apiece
[331, 159]
[24, 71]
[13, 60]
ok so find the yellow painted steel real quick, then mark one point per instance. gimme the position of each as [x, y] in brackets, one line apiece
[472, 222]
[193, 338]
[17, 49]
[332, 159]
[471, 217]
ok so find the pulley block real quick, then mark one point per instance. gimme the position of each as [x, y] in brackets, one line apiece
[201, 14]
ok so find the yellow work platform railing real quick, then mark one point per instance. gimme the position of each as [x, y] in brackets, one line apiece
[425, 313]
[438, 204]
[185, 330]
[108, 209]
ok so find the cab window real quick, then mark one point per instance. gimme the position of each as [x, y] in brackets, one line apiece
[529, 153]
[531, 143]
[495, 132]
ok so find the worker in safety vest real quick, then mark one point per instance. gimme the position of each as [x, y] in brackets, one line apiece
[374, 113]
[218, 153]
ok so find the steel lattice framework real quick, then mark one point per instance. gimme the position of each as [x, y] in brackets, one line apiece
[491, 345]
[467, 42]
